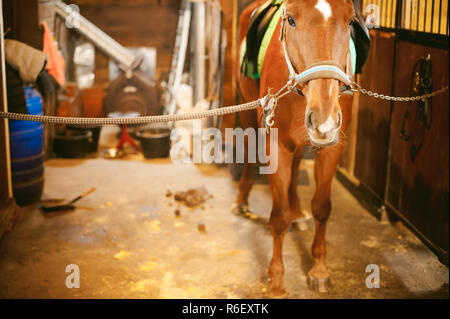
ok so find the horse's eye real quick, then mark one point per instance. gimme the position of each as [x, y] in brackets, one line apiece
[291, 21]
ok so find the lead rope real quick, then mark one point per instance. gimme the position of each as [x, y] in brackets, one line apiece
[93, 122]
[268, 104]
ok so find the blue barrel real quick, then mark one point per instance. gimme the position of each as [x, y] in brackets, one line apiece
[27, 156]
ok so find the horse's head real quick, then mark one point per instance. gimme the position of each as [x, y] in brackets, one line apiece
[318, 31]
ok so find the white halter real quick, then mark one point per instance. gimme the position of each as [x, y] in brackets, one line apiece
[320, 70]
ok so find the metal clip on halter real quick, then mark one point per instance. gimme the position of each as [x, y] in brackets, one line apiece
[269, 104]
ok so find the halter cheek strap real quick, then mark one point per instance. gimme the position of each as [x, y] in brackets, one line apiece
[292, 72]
[320, 70]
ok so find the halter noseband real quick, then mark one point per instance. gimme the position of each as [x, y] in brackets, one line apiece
[319, 70]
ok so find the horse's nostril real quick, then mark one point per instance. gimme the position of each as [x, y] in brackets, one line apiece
[310, 120]
[339, 119]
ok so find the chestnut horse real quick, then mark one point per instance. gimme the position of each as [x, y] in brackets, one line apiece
[313, 31]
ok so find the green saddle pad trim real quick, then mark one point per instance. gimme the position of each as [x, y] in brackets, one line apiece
[267, 37]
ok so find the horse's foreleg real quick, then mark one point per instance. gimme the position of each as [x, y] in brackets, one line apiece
[280, 219]
[245, 186]
[325, 168]
[248, 120]
[294, 200]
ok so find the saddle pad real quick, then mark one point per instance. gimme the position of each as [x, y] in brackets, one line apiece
[262, 20]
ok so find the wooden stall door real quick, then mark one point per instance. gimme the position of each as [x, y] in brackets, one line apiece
[418, 188]
[385, 178]
[372, 144]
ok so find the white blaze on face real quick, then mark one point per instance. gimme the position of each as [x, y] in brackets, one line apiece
[327, 126]
[324, 7]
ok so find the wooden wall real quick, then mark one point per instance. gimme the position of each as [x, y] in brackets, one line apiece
[138, 23]
[385, 177]
[21, 19]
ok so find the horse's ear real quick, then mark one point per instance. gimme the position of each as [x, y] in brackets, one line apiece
[351, 3]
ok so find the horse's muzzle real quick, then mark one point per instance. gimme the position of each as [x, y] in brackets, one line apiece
[323, 134]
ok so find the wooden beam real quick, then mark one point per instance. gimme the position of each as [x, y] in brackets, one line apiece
[7, 203]
[5, 162]
[230, 10]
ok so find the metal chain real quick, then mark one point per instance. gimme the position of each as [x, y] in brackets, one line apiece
[398, 99]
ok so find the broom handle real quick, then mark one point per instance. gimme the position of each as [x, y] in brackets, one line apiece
[93, 189]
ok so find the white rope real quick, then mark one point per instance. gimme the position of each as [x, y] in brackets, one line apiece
[92, 122]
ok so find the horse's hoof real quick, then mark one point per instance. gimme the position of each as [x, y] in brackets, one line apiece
[321, 285]
[305, 216]
[240, 209]
[275, 293]
[301, 220]
[301, 225]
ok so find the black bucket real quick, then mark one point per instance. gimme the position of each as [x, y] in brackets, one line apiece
[155, 142]
[72, 143]
[93, 142]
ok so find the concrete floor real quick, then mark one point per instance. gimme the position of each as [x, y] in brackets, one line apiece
[128, 242]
